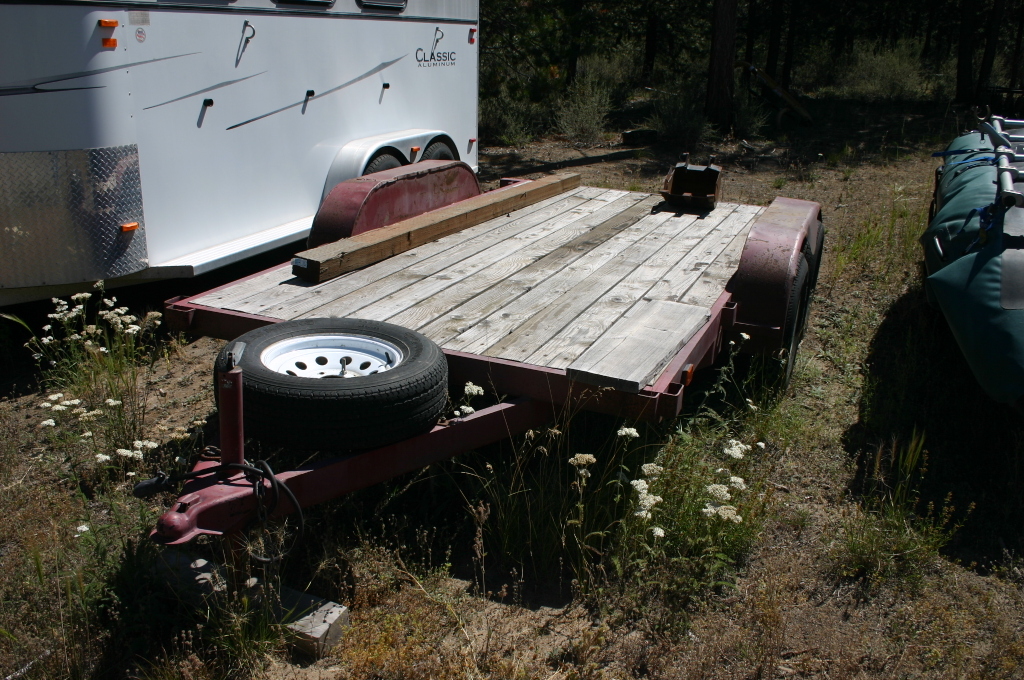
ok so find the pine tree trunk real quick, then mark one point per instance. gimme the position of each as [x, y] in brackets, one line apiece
[774, 38]
[719, 104]
[966, 47]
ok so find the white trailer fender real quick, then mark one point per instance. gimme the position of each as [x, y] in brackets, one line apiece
[353, 157]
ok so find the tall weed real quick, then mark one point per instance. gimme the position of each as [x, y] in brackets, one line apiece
[583, 111]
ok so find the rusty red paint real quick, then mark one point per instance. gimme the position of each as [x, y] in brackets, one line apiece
[382, 198]
[214, 506]
[767, 267]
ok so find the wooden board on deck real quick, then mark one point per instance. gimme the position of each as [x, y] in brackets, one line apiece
[334, 259]
[638, 346]
[606, 285]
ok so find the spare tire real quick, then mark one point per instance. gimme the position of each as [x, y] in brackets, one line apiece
[337, 384]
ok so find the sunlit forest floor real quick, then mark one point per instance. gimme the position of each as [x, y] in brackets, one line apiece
[855, 569]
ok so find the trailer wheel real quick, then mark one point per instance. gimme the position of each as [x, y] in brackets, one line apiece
[338, 384]
[814, 258]
[796, 318]
[438, 151]
[382, 161]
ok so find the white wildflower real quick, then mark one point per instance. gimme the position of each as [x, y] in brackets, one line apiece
[45, 404]
[651, 469]
[735, 449]
[467, 410]
[127, 453]
[79, 410]
[658, 532]
[47, 327]
[59, 407]
[144, 444]
[81, 297]
[751, 405]
[640, 485]
[129, 474]
[46, 340]
[744, 336]
[728, 512]
[738, 483]
[643, 514]
[648, 501]
[760, 445]
[71, 402]
[709, 510]
[581, 459]
[86, 435]
[474, 390]
[584, 472]
[48, 423]
[132, 329]
[103, 350]
[720, 492]
[56, 397]
[199, 422]
[82, 528]
[628, 432]
[113, 402]
[102, 458]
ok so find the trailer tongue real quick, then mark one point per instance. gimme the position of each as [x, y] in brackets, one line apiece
[601, 299]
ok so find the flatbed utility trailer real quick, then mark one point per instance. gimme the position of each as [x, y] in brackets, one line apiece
[605, 299]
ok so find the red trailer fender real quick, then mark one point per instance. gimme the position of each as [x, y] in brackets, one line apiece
[785, 232]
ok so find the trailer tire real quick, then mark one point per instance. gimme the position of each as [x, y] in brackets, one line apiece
[796, 318]
[438, 151]
[382, 161]
[814, 258]
[327, 412]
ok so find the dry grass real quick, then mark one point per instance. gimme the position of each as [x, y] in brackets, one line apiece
[778, 598]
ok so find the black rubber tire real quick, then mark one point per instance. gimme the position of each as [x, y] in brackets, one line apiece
[382, 161]
[348, 414]
[438, 151]
[796, 318]
[814, 258]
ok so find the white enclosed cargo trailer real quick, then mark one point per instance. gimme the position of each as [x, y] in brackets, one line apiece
[151, 139]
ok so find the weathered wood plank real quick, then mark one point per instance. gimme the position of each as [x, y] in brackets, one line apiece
[334, 259]
[459, 256]
[675, 283]
[463, 243]
[556, 314]
[711, 284]
[564, 347]
[632, 353]
[266, 281]
[509, 317]
[591, 230]
[511, 254]
[465, 315]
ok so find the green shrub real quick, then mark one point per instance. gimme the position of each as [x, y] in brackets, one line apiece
[583, 111]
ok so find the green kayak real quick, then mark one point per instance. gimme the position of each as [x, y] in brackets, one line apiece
[974, 255]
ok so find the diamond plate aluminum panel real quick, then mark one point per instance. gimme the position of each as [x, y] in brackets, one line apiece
[61, 214]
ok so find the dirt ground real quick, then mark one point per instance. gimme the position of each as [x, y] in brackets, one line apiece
[787, 616]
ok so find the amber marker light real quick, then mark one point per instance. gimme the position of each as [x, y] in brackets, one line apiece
[129, 226]
[109, 42]
[109, 23]
[415, 150]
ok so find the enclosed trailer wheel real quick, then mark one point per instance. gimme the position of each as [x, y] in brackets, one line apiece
[438, 151]
[338, 384]
[384, 160]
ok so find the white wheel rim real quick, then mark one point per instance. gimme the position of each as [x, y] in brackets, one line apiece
[331, 356]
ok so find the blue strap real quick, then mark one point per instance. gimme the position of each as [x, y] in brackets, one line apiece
[972, 160]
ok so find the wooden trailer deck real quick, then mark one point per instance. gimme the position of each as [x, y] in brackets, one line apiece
[603, 284]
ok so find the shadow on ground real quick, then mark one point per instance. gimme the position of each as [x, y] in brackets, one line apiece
[918, 379]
